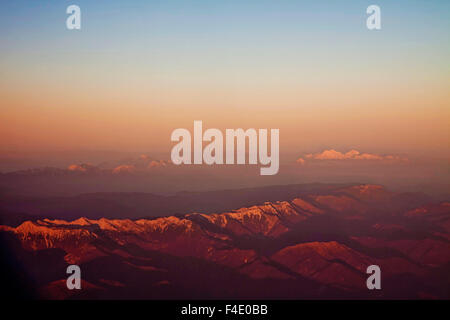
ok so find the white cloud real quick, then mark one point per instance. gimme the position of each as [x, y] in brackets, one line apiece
[350, 155]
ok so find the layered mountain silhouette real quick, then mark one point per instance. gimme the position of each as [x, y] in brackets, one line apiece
[317, 244]
[15, 209]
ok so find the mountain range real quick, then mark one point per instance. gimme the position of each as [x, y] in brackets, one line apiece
[316, 244]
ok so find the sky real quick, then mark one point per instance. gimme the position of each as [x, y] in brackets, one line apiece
[137, 70]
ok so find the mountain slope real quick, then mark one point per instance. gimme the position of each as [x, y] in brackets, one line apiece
[313, 246]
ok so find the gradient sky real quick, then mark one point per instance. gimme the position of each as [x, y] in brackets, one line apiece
[140, 69]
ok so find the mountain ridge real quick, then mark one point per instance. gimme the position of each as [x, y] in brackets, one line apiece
[322, 244]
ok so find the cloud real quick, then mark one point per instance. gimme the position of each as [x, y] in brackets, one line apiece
[350, 155]
[125, 168]
[156, 163]
[83, 167]
[142, 163]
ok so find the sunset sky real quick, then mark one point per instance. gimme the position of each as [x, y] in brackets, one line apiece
[137, 70]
